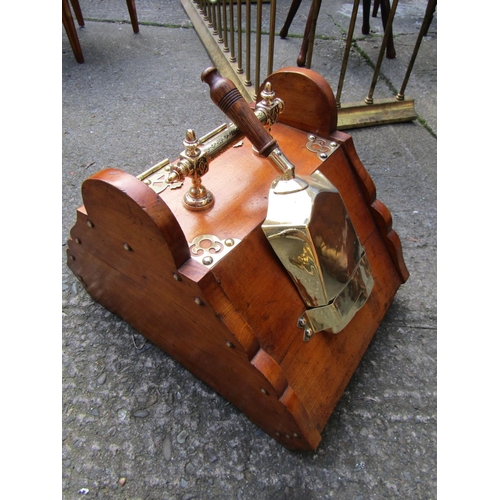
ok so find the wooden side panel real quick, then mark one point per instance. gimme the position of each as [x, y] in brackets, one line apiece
[113, 198]
[177, 314]
[309, 101]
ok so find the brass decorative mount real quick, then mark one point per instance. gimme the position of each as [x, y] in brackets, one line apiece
[194, 160]
[209, 249]
[193, 163]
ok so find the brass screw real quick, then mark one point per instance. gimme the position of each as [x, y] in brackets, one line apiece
[229, 242]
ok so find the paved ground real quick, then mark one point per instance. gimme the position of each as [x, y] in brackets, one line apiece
[128, 107]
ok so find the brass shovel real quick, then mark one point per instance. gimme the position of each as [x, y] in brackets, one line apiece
[307, 225]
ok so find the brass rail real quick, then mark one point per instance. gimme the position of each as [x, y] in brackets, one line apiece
[221, 32]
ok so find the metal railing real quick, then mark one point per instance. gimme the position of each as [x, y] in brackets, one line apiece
[231, 31]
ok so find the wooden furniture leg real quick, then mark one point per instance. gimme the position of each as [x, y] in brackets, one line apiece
[429, 15]
[365, 28]
[310, 25]
[78, 12]
[133, 15]
[385, 8]
[69, 26]
[301, 59]
[289, 18]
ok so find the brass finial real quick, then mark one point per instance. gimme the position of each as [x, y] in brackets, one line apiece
[191, 143]
[268, 94]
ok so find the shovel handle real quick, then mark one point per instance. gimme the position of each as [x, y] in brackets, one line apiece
[227, 97]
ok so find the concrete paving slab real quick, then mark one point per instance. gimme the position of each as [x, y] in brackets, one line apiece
[130, 412]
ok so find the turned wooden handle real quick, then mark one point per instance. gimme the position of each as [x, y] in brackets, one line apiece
[228, 98]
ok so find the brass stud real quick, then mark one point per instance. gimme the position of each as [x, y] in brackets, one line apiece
[263, 391]
[72, 257]
[127, 247]
[77, 241]
[176, 277]
[230, 344]
[198, 301]
[229, 242]
[207, 260]
[90, 223]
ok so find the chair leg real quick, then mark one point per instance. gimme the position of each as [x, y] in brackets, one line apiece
[289, 18]
[69, 26]
[385, 8]
[429, 15]
[78, 12]
[376, 5]
[301, 59]
[133, 15]
[310, 27]
[365, 28]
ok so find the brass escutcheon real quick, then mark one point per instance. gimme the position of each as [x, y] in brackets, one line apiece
[322, 147]
[208, 249]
